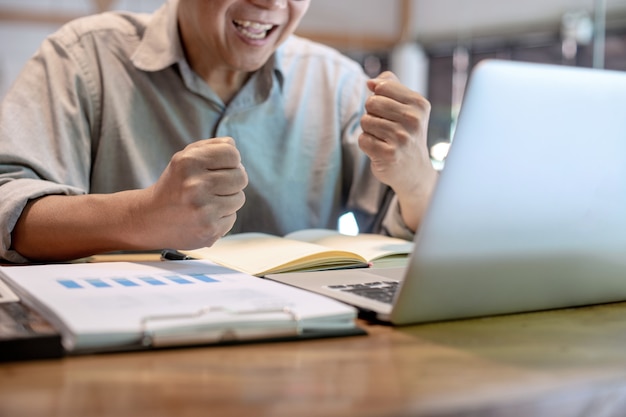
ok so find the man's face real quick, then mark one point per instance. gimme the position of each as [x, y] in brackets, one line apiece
[239, 35]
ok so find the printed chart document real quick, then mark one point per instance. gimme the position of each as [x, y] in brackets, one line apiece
[260, 254]
[124, 305]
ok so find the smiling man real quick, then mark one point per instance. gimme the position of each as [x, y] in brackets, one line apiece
[226, 41]
[139, 132]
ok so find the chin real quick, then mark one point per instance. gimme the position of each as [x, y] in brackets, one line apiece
[252, 66]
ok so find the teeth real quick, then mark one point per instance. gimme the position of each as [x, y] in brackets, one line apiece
[254, 25]
[253, 30]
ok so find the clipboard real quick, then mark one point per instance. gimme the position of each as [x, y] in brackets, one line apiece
[24, 334]
[124, 306]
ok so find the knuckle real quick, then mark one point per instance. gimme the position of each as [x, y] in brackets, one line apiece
[209, 232]
[178, 158]
[243, 178]
[402, 136]
[387, 154]
[366, 122]
[228, 140]
[231, 154]
[242, 199]
[182, 161]
[193, 194]
[420, 102]
[412, 120]
[364, 142]
[244, 182]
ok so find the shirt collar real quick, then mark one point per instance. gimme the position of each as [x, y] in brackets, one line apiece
[161, 47]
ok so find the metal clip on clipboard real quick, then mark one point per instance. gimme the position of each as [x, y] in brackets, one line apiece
[205, 327]
[6, 295]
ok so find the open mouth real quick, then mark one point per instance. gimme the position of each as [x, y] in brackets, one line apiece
[253, 30]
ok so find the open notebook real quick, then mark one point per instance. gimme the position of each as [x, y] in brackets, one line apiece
[529, 212]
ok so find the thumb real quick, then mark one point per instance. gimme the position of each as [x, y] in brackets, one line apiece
[383, 77]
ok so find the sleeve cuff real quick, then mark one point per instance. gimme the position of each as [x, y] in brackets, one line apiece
[393, 223]
[16, 194]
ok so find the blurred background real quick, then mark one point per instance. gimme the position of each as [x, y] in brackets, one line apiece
[431, 44]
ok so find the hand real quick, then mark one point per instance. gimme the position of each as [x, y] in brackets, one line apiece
[192, 204]
[196, 199]
[395, 139]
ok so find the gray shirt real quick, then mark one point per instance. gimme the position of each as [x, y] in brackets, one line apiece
[108, 99]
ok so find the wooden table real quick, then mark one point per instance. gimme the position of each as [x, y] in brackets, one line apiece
[559, 363]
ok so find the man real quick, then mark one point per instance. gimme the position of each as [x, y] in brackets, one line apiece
[136, 132]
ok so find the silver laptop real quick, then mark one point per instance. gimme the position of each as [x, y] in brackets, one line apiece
[529, 212]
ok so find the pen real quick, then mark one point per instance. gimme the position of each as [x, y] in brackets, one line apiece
[174, 255]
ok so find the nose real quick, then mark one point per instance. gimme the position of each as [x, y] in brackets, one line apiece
[271, 4]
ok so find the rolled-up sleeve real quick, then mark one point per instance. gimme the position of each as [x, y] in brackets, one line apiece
[45, 134]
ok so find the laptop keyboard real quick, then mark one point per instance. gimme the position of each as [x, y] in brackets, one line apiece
[382, 291]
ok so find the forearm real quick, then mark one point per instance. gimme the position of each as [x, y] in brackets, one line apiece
[193, 204]
[414, 202]
[56, 227]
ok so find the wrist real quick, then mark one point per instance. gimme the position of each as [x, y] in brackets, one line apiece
[414, 199]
